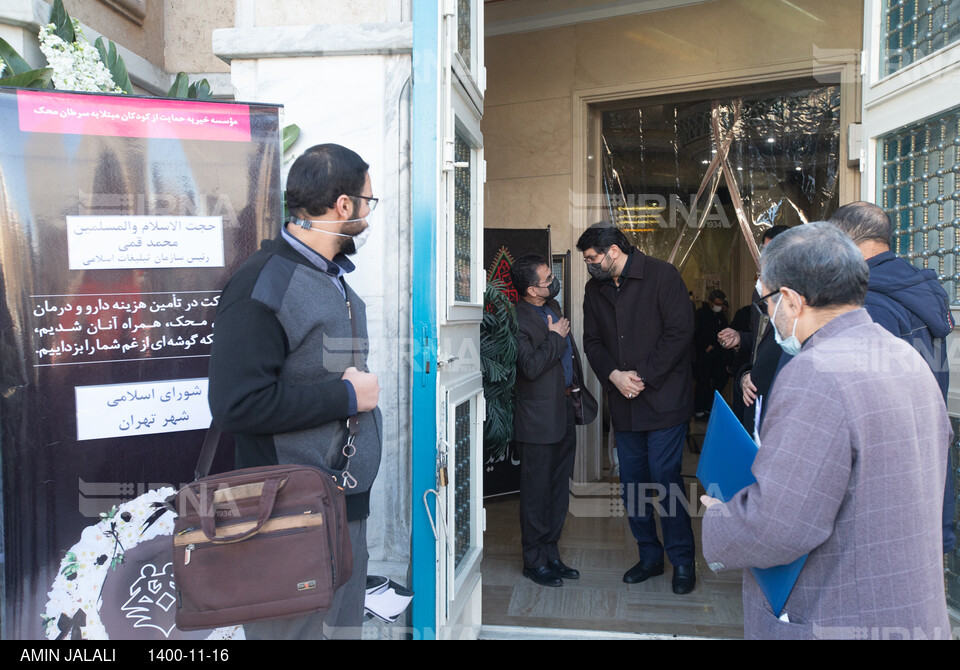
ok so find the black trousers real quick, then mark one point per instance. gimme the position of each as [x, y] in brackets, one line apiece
[711, 375]
[545, 473]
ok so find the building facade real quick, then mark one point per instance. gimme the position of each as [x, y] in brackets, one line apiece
[505, 114]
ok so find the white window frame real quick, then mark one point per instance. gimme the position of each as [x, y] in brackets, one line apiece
[920, 90]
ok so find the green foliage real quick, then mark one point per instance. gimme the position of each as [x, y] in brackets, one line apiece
[72, 566]
[200, 90]
[181, 85]
[32, 79]
[15, 64]
[62, 24]
[182, 88]
[290, 135]
[18, 71]
[498, 358]
[114, 63]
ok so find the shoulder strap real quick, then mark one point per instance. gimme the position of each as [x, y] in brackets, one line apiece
[207, 452]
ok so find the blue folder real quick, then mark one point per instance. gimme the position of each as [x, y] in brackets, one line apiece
[724, 470]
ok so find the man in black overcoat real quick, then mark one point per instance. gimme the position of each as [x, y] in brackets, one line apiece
[637, 335]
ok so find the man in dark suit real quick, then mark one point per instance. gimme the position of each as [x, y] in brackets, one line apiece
[547, 391]
[637, 335]
[710, 360]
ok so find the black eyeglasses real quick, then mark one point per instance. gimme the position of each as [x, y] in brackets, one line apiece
[371, 202]
[596, 258]
[761, 303]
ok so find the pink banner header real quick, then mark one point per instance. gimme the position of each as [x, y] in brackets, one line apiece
[117, 116]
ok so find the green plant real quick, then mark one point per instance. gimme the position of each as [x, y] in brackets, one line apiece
[18, 71]
[289, 136]
[182, 88]
[498, 357]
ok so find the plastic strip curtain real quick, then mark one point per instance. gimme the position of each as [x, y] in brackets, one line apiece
[760, 160]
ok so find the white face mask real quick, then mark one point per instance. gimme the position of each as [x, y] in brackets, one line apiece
[791, 345]
[716, 309]
[361, 238]
[358, 240]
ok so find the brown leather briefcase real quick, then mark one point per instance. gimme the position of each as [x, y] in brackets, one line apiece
[259, 544]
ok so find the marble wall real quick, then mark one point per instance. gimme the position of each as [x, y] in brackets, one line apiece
[310, 12]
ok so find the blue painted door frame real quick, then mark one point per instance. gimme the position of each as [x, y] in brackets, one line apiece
[425, 157]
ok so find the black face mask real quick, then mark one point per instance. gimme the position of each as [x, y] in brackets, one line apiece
[597, 272]
[554, 288]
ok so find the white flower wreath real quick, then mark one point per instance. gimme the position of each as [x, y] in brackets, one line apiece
[87, 564]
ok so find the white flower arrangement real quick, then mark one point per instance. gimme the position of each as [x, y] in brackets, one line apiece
[76, 66]
[85, 566]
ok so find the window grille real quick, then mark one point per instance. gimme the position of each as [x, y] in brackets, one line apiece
[916, 28]
[462, 503]
[463, 221]
[920, 189]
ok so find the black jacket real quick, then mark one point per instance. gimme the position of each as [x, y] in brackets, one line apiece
[647, 326]
[540, 413]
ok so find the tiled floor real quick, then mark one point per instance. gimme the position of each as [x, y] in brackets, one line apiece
[600, 545]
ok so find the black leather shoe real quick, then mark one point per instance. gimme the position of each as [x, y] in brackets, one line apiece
[684, 579]
[564, 571]
[642, 571]
[544, 576]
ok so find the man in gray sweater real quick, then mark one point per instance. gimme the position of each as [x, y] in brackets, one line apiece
[288, 362]
[850, 466]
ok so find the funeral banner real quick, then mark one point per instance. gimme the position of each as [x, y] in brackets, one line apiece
[121, 218]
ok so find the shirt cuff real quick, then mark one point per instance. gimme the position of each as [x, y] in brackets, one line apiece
[351, 398]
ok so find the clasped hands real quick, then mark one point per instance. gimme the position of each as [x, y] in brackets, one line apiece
[627, 382]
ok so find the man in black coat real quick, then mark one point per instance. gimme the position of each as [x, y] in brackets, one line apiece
[544, 419]
[711, 362]
[758, 356]
[637, 335]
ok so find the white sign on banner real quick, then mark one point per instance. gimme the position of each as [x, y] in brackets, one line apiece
[97, 242]
[141, 408]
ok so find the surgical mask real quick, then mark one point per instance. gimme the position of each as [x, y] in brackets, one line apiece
[716, 309]
[791, 345]
[361, 238]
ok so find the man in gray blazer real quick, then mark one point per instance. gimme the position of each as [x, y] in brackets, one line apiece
[548, 397]
[850, 466]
